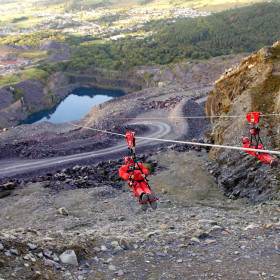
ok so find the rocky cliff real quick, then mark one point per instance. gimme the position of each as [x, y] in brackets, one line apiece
[253, 85]
[107, 79]
[24, 98]
[30, 96]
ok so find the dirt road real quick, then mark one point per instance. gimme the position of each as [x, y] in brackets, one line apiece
[13, 167]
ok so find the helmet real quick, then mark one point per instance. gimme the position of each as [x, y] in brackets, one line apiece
[245, 140]
[254, 131]
[128, 160]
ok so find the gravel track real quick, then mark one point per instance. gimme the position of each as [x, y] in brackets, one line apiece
[15, 167]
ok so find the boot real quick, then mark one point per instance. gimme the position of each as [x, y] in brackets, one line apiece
[144, 198]
[153, 203]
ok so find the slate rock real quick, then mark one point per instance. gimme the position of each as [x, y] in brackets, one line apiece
[4, 193]
[31, 246]
[52, 263]
[14, 251]
[112, 267]
[69, 257]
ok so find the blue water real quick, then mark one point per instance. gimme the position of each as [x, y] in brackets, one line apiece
[74, 106]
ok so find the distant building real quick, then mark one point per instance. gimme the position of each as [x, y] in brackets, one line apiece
[8, 67]
[13, 64]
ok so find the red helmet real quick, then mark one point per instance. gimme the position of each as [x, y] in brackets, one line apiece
[245, 140]
[128, 160]
[254, 131]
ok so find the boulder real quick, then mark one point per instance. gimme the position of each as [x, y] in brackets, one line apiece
[69, 257]
[4, 193]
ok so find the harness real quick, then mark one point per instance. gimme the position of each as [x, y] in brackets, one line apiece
[132, 169]
[255, 139]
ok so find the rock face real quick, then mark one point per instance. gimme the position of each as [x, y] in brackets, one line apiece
[6, 98]
[27, 97]
[61, 51]
[10, 52]
[186, 73]
[251, 86]
[30, 96]
[108, 79]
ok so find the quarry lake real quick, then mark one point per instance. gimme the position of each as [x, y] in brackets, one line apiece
[74, 106]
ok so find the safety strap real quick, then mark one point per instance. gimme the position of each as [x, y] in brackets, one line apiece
[256, 138]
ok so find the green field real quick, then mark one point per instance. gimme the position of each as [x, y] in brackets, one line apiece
[32, 73]
[12, 11]
[31, 55]
[9, 79]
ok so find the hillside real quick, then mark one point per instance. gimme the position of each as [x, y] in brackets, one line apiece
[194, 234]
[253, 85]
[159, 42]
[84, 210]
[66, 214]
[9, 52]
[229, 32]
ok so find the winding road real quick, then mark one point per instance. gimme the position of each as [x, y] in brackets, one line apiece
[17, 166]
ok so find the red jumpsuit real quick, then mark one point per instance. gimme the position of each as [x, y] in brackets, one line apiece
[140, 186]
[262, 156]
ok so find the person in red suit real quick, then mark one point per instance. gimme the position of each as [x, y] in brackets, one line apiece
[266, 158]
[137, 182]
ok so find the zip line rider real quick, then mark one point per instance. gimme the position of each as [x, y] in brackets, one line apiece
[266, 158]
[136, 180]
[136, 175]
[255, 141]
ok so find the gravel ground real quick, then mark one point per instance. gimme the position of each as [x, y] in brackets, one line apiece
[195, 233]
[100, 232]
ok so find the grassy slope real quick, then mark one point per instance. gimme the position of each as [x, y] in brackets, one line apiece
[32, 73]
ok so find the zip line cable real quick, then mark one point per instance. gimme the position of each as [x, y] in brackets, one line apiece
[95, 129]
[210, 145]
[183, 142]
[192, 117]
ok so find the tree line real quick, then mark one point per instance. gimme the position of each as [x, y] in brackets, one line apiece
[230, 32]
